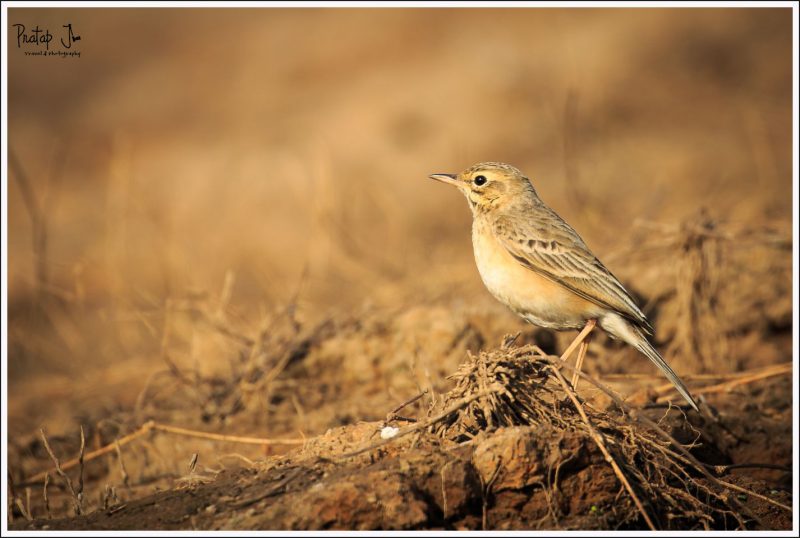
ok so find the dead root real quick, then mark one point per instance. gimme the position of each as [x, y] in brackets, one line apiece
[526, 394]
[665, 486]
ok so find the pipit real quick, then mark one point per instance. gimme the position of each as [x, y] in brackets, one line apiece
[537, 265]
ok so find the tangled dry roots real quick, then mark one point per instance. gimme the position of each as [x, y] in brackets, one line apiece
[521, 388]
[522, 391]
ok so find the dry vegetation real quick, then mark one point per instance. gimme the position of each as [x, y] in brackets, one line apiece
[228, 273]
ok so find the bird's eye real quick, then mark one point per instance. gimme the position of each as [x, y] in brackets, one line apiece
[479, 180]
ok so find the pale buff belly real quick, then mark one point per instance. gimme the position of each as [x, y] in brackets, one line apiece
[534, 297]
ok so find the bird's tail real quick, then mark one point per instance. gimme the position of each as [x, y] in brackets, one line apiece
[647, 348]
[618, 327]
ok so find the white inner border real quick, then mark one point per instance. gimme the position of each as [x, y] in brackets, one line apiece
[431, 4]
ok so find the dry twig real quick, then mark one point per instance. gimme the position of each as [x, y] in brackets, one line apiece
[80, 467]
[75, 499]
[226, 438]
[392, 415]
[638, 417]
[44, 494]
[122, 470]
[598, 439]
[154, 426]
[742, 378]
[22, 510]
[420, 425]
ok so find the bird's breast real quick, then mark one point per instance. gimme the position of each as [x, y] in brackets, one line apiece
[531, 295]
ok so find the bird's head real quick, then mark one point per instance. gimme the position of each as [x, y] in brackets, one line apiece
[490, 185]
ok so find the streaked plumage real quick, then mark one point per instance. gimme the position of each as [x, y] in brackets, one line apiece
[538, 265]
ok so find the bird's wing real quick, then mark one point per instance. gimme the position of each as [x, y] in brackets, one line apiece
[546, 244]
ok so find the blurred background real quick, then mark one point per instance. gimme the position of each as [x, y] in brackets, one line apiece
[242, 160]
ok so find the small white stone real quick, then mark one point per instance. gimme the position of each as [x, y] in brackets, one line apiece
[388, 432]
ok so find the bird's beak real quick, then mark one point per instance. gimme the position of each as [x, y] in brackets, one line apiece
[452, 179]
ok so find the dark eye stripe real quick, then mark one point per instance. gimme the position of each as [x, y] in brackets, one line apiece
[479, 180]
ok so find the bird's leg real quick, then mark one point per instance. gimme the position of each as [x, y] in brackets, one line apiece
[582, 352]
[578, 339]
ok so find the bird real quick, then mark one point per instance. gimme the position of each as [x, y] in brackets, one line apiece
[536, 264]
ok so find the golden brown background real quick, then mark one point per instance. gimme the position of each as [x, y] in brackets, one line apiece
[252, 158]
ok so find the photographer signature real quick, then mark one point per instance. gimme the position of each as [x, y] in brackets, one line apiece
[40, 37]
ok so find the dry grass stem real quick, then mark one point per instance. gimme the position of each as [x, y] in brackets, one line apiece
[75, 498]
[226, 438]
[37, 216]
[11, 496]
[79, 490]
[22, 509]
[392, 415]
[193, 462]
[778, 368]
[122, 470]
[154, 426]
[44, 495]
[742, 378]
